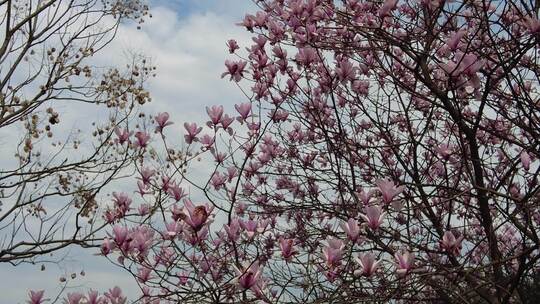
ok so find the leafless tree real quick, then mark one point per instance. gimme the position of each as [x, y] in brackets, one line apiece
[50, 188]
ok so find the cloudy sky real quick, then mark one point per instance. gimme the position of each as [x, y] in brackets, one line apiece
[185, 39]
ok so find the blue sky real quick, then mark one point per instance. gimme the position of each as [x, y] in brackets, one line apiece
[185, 39]
[230, 8]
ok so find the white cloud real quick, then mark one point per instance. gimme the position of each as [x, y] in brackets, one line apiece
[189, 54]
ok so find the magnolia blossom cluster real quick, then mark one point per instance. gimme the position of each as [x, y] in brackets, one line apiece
[387, 152]
[207, 249]
[113, 296]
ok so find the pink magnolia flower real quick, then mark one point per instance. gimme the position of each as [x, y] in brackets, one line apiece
[231, 173]
[279, 52]
[240, 208]
[142, 240]
[360, 87]
[444, 151]
[351, 228]
[250, 227]
[143, 209]
[219, 157]
[450, 243]
[226, 121]
[123, 135]
[249, 277]
[467, 65]
[122, 201]
[244, 109]
[36, 297]
[165, 256]
[260, 18]
[165, 183]
[93, 297]
[333, 252]
[287, 248]
[204, 266]
[172, 229]
[532, 24]
[218, 180]
[388, 189]
[233, 46]
[177, 212]
[453, 42]
[345, 71]
[176, 191]
[107, 246]
[207, 140]
[146, 175]
[233, 230]
[248, 22]
[525, 160]
[365, 196]
[260, 90]
[142, 189]
[74, 298]
[115, 296]
[260, 41]
[110, 216]
[120, 234]
[278, 115]
[196, 238]
[142, 139]
[215, 113]
[235, 69]
[162, 120]
[374, 216]
[146, 292]
[143, 274]
[306, 56]
[470, 64]
[405, 262]
[387, 7]
[192, 132]
[368, 263]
